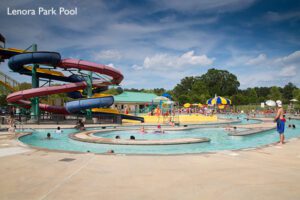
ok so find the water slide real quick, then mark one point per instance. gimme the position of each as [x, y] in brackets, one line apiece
[18, 61]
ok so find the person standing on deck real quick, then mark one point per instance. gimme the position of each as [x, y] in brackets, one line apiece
[280, 120]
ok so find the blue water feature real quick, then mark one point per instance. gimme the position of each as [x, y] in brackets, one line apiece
[219, 140]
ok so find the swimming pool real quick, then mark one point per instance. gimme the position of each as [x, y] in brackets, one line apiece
[242, 117]
[219, 141]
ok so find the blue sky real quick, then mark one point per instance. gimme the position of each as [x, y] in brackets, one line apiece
[157, 43]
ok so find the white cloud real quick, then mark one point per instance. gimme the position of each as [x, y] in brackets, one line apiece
[266, 71]
[137, 67]
[111, 65]
[288, 71]
[261, 58]
[205, 5]
[277, 17]
[165, 62]
[293, 57]
[257, 78]
[129, 83]
[107, 55]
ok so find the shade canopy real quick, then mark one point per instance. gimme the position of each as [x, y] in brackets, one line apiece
[218, 100]
[169, 102]
[293, 100]
[271, 103]
[160, 98]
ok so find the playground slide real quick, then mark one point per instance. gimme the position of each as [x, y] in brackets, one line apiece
[132, 117]
[17, 63]
[115, 111]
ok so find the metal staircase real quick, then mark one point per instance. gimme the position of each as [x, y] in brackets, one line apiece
[7, 84]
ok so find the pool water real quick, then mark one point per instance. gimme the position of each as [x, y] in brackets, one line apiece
[242, 117]
[152, 135]
[219, 140]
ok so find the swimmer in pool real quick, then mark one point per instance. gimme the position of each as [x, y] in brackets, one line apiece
[159, 129]
[142, 130]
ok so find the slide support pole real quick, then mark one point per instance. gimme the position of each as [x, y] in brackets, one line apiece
[89, 93]
[35, 111]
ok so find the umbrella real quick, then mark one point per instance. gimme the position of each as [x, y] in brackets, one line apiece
[187, 105]
[167, 95]
[197, 104]
[160, 98]
[169, 102]
[218, 100]
[221, 106]
[294, 100]
[271, 103]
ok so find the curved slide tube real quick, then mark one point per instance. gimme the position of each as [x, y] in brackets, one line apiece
[17, 63]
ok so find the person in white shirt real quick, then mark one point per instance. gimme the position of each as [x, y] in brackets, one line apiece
[58, 130]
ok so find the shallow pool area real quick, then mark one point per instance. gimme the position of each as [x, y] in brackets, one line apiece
[241, 117]
[219, 140]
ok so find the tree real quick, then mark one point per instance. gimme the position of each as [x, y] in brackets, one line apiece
[182, 89]
[296, 94]
[220, 82]
[23, 86]
[288, 91]
[159, 91]
[199, 92]
[183, 99]
[239, 99]
[114, 91]
[262, 92]
[3, 101]
[275, 93]
[251, 95]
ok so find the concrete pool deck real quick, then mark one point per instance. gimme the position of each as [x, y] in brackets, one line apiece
[270, 172]
[266, 173]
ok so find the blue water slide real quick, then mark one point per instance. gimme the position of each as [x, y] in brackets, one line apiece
[17, 62]
[76, 106]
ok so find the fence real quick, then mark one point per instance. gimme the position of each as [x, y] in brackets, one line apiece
[9, 83]
[47, 118]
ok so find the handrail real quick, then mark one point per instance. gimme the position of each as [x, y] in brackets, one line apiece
[8, 82]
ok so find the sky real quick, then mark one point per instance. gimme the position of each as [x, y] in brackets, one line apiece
[157, 43]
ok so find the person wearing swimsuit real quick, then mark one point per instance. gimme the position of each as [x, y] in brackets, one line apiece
[280, 120]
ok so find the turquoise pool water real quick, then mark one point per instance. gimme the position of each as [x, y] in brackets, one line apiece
[219, 141]
[242, 117]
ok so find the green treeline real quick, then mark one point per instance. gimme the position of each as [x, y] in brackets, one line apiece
[197, 89]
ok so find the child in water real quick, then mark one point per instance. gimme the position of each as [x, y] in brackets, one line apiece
[142, 130]
[159, 129]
